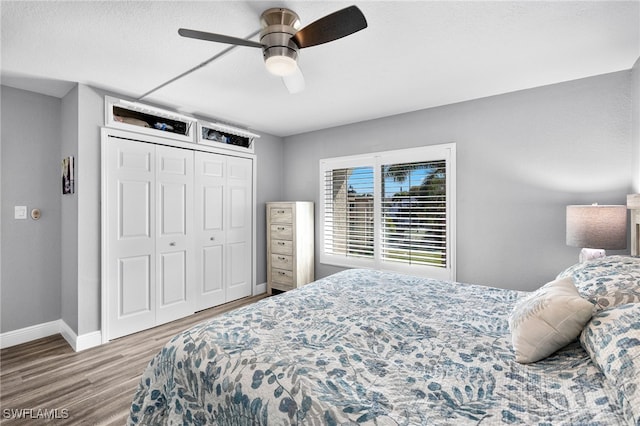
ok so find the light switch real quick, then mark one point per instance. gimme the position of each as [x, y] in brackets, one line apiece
[20, 212]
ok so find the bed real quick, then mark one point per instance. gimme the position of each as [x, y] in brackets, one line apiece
[381, 348]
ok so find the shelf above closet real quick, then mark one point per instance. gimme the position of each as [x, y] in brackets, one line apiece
[150, 120]
[141, 118]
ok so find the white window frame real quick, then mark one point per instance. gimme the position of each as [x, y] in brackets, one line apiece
[446, 152]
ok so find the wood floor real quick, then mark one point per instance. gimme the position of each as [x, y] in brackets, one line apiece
[45, 378]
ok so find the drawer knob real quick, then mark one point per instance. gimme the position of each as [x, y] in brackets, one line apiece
[282, 273]
[172, 244]
[212, 238]
[281, 211]
[280, 228]
[280, 243]
[282, 258]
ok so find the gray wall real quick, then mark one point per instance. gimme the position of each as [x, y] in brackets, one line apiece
[90, 118]
[31, 267]
[636, 125]
[69, 221]
[521, 158]
[269, 151]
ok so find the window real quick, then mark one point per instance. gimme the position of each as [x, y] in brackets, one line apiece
[390, 210]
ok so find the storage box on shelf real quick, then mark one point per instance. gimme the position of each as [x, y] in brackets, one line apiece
[150, 120]
[141, 118]
[222, 135]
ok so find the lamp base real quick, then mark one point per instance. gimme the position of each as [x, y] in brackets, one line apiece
[590, 254]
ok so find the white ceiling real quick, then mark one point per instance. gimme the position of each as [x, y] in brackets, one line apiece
[413, 55]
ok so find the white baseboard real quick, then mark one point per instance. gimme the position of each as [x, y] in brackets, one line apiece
[34, 332]
[261, 288]
[27, 334]
[89, 340]
[69, 335]
[80, 343]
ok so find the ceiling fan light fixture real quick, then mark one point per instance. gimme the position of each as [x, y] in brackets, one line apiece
[281, 39]
[279, 51]
[281, 65]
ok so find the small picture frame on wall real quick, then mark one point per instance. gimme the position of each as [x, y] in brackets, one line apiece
[68, 181]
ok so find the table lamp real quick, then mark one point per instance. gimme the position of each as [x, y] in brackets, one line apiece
[596, 228]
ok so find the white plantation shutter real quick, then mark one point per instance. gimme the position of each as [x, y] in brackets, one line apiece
[348, 212]
[414, 214]
[390, 210]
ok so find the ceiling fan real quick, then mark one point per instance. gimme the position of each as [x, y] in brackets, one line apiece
[281, 38]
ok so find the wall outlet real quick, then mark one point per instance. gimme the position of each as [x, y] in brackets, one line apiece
[20, 212]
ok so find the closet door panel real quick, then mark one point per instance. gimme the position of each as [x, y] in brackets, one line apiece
[239, 278]
[213, 279]
[130, 265]
[174, 235]
[134, 221]
[239, 212]
[239, 227]
[173, 209]
[210, 205]
[173, 282]
[134, 285]
[213, 198]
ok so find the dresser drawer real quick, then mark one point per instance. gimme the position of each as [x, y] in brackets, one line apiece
[282, 261]
[282, 287]
[281, 214]
[282, 247]
[282, 277]
[282, 232]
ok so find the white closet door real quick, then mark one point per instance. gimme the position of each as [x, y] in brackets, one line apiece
[210, 203]
[238, 222]
[131, 226]
[160, 263]
[174, 233]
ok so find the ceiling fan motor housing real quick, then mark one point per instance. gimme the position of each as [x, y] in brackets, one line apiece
[278, 26]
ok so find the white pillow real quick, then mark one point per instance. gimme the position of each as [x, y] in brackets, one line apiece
[547, 320]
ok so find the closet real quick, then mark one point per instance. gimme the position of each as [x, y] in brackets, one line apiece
[223, 237]
[177, 230]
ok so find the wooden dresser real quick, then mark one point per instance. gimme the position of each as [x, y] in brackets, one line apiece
[290, 245]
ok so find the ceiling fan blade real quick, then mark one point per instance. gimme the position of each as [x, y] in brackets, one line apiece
[219, 38]
[294, 82]
[331, 27]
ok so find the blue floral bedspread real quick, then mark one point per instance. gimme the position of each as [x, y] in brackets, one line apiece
[369, 347]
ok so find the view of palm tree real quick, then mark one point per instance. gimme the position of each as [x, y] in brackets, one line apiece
[413, 212]
[414, 219]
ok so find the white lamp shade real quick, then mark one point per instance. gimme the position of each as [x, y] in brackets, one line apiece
[598, 227]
